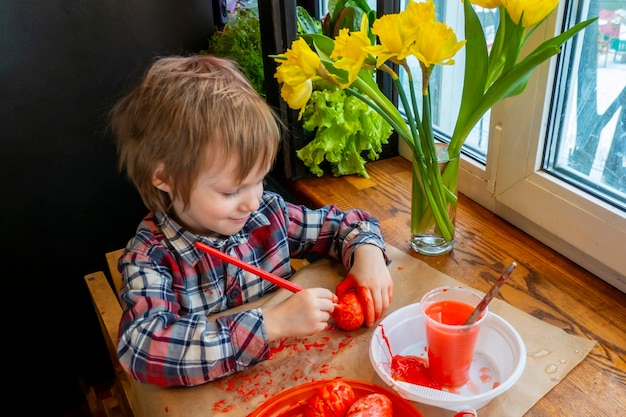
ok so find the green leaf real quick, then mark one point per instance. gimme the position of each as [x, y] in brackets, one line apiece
[335, 7]
[476, 61]
[512, 83]
[345, 129]
[513, 39]
[361, 4]
[496, 58]
[346, 19]
[306, 24]
[241, 41]
[322, 44]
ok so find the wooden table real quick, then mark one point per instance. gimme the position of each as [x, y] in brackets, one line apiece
[545, 284]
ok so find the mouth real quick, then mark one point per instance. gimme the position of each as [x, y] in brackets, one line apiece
[240, 220]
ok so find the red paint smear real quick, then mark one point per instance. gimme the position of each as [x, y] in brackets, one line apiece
[400, 268]
[222, 407]
[312, 345]
[412, 369]
[249, 384]
[281, 347]
[495, 384]
[167, 409]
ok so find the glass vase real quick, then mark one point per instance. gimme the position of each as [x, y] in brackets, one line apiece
[434, 203]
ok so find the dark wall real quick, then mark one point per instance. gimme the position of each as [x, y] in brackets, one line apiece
[63, 203]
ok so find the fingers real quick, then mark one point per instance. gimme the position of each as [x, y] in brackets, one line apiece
[326, 302]
[345, 285]
[367, 301]
[375, 303]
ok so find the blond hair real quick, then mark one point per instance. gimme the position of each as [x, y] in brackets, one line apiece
[181, 106]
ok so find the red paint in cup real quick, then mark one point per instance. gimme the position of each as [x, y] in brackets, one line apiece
[450, 342]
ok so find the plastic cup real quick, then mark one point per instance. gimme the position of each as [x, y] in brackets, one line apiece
[450, 342]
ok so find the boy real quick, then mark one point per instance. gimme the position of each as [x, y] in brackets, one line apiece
[197, 141]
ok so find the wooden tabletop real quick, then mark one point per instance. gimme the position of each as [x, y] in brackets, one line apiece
[545, 284]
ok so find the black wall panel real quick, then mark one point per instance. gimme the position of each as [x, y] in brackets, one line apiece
[63, 203]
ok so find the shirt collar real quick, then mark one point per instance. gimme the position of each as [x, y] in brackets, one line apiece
[182, 241]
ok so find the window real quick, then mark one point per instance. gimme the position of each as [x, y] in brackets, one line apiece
[552, 160]
[587, 133]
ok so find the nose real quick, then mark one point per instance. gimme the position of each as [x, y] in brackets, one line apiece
[251, 200]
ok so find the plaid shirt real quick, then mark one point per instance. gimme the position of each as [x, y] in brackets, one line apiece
[171, 288]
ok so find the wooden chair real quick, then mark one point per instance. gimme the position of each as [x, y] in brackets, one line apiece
[107, 304]
[106, 301]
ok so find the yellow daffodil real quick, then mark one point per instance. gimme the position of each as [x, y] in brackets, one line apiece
[297, 96]
[298, 66]
[350, 52]
[488, 4]
[534, 11]
[395, 39]
[418, 13]
[435, 43]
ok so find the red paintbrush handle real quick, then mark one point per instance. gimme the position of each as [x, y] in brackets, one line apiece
[274, 279]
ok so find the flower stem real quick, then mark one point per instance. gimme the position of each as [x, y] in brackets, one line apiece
[430, 195]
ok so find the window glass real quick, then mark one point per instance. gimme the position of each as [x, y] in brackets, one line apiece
[446, 82]
[587, 136]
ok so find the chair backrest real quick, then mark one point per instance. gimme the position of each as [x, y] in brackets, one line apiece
[106, 302]
[116, 276]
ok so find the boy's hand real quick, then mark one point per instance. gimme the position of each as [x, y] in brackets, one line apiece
[370, 278]
[303, 314]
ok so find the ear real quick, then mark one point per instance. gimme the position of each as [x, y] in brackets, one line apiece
[159, 180]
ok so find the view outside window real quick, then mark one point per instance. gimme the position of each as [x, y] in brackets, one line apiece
[587, 139]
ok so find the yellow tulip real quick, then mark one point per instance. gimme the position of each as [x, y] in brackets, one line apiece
[534, 10]
[487, 4]
[297, 68]
[350, 50]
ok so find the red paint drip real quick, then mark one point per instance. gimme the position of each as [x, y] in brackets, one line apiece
[382, 332]
[411, 369]
[484, 374]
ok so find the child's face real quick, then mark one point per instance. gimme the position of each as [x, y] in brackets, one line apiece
[218, 203]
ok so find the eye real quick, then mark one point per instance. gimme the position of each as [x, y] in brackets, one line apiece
[231, 195]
